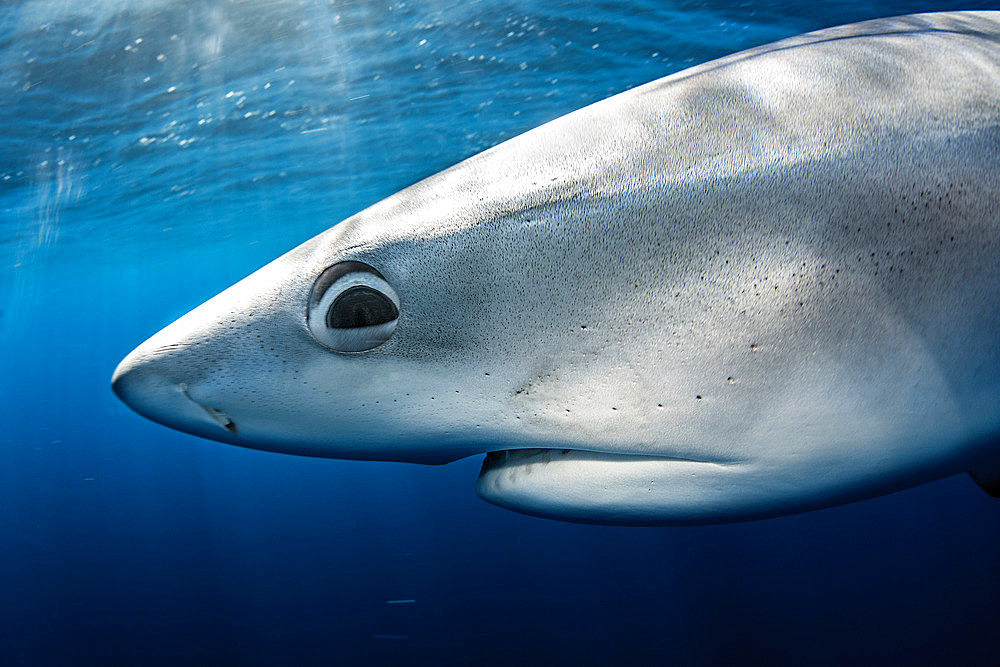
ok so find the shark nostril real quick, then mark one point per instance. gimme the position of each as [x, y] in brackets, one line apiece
[218, 416]
[221, 418]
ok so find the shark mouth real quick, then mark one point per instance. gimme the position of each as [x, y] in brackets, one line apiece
[541, 456]
[602, 487]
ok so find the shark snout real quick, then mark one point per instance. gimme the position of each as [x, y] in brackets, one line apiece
[142, 382]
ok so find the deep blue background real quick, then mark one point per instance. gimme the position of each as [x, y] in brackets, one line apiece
[152, 153]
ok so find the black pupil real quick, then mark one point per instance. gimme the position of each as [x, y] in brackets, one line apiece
[360, 306]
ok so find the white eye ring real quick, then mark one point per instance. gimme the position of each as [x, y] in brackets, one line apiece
[352, 308]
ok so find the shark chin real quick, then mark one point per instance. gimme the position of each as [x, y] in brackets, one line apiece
[583, 486]
[613, 488]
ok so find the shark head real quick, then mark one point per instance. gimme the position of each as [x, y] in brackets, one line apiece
[709, 298]
[338, 349]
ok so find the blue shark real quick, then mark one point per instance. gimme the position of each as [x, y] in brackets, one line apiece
[763, 285]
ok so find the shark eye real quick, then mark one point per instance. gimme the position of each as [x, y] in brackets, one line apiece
[352, 308]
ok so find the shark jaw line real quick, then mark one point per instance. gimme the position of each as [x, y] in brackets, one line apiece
[539, 455]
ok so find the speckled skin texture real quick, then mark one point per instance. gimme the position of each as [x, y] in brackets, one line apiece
[763, 285]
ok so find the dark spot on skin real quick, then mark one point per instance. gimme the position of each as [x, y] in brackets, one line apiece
[698, 397]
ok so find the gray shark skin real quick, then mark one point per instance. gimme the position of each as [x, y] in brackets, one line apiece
[767, 284]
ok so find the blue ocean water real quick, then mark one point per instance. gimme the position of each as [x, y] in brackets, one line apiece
[154, 152]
